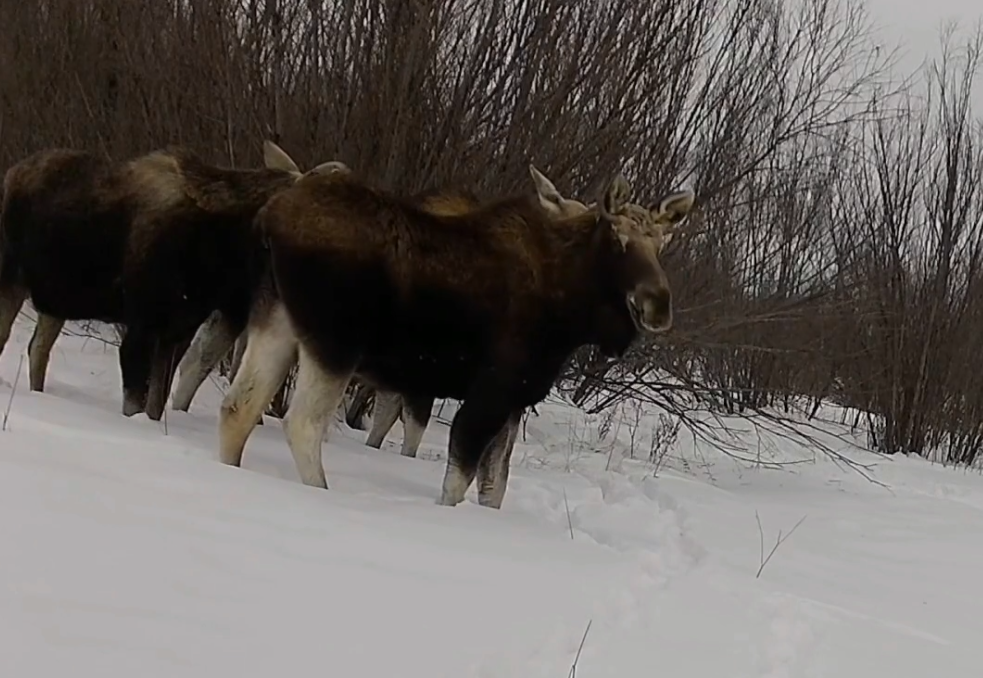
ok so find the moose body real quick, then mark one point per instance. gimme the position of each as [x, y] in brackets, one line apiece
[217, 335]
[154, 244]
[484, 307]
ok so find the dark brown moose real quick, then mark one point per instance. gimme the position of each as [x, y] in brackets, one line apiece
[154, 244]
[216, 336]
[483, 307]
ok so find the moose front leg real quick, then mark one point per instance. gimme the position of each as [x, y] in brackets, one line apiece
[213, 340]
[136, 354]
[480, 418]
[493, 470]
[416, 417]
[46, 333]
[166, 356]
[384, 415]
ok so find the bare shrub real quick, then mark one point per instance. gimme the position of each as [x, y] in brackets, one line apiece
[835, 253]
[662, 440]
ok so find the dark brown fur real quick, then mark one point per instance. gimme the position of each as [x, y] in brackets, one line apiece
[447, 203]
[155, 244]
[503, 268]
[219, 333]
[218, 336]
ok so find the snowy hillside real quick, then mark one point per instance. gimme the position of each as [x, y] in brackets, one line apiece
[129, 551]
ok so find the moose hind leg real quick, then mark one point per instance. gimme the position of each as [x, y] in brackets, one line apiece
[270, 352]
[355, 411]
[417, 416]
[45, 335]
[317, 395]
[476, 423]
[11, 300]
[214, 339]
[384, 416]
[237, 355]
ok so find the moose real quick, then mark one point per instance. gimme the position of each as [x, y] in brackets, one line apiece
[216, 336]
[154, 244]
[483, 307]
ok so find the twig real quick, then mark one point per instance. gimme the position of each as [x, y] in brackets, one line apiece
[567, 507]
[13, 390]
[573, 667]
[778, 542]
[690, 401]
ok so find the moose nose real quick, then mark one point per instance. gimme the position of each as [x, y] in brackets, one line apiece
[655, 307]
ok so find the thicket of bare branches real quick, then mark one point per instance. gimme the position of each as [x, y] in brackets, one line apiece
[836, 249]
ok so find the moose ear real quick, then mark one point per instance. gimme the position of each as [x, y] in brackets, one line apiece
[549, 197]
[330, 167]
[276, 158]
[673, 208]
[615, 196]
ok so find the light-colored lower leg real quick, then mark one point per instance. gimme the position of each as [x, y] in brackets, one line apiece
[46, 332]
[455, 485]
[11, 300]
[240, 351]
[237, 357]
[355, 403]
[413, 431]
[270, 353]
[317, 395]
[488, 467]
[504, 466]
[213, 340]
[384, 415]
[469, 421]
[191, 375]
[493, 469]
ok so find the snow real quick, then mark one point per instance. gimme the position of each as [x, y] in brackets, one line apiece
[130, 551]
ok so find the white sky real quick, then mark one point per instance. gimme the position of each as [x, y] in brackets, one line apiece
[917, 24]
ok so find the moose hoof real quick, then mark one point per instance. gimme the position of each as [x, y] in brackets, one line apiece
[131, 407]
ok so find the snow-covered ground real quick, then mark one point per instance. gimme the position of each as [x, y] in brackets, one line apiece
[128, 550]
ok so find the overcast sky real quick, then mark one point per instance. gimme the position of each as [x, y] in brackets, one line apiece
[917, 23]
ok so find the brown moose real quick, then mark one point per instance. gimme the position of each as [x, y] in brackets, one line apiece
[484, 307]
[216, 336]
[154, 244]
